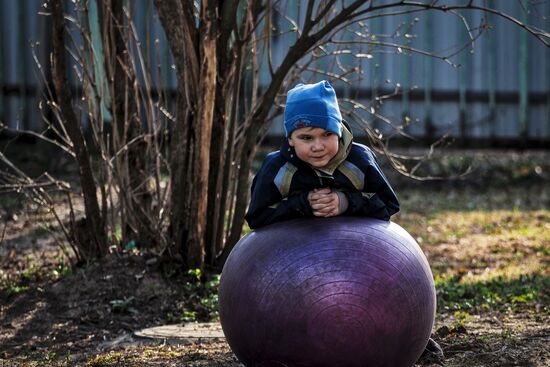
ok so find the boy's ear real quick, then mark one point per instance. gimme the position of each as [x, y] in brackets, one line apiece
[290, 141]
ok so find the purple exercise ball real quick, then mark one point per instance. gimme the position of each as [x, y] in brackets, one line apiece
[338, 292]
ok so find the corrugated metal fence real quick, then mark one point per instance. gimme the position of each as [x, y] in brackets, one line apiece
[500, 91]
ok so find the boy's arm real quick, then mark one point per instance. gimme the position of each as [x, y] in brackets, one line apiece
[267, 205]
[377, 200]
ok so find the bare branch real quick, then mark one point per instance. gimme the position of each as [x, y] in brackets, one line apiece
[540, 34]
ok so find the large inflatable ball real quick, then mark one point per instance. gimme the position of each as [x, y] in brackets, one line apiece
[332, 292]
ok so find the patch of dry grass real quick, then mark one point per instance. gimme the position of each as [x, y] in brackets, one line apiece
[480, 237]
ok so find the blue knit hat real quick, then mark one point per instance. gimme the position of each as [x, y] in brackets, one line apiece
[312, 105]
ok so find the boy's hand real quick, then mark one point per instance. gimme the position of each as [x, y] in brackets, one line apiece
[324, 202]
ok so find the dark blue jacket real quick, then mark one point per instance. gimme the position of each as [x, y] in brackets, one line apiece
[281, 186]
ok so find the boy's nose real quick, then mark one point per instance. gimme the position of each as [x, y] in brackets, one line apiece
[317, 146]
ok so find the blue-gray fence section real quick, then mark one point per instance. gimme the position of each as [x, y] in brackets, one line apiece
[501, 90]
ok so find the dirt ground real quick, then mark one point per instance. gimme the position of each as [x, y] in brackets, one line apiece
[88, 318]
[52, 316]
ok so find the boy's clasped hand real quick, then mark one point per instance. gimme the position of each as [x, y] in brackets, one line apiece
[324, 202]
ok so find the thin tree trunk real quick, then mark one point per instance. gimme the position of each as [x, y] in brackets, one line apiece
[94, 222]
[178, 165]
[222, 158]
[182, 44]
[241, 202]
[229, 166]
[215, 188]
[203, 126]
[196, 61]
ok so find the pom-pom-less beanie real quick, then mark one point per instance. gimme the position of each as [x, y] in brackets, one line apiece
[312, 105]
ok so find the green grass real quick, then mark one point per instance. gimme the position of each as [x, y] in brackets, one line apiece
[32, 271]
[201, 298]
[12, 289]
[499, 294]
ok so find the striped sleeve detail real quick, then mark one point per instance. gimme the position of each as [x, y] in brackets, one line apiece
[354, 174]
[284, 178]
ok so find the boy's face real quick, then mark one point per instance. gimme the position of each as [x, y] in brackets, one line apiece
[314, 145]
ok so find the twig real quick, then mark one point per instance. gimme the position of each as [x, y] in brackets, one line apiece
[3, 232]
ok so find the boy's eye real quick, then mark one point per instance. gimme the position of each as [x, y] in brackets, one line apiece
[328, 133]
[305, 137]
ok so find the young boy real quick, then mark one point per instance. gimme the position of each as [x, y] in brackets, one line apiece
[319, 171]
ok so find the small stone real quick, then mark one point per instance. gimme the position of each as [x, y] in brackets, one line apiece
[443, 331]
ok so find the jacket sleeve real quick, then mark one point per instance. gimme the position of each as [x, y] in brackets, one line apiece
[377, 200]
[267, 205]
